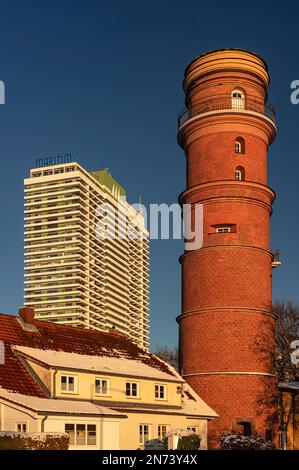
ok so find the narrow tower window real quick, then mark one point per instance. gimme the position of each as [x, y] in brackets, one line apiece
[240, 145]
[223, 229]
[238, 99]
[239, 173]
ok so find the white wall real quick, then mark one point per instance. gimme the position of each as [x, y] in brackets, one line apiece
[203, 432]
[107, 430]
[11, 414]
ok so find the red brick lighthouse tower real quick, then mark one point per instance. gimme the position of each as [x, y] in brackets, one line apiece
[226, 325]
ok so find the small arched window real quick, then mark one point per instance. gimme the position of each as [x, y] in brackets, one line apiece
[240, 145]
[238, 99]
[239, 173]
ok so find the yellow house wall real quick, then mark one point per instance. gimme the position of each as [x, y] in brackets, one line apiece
[11, 415]
[129, 428]
[86, 389]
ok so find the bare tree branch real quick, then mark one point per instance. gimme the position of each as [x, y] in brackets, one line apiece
[287, 330]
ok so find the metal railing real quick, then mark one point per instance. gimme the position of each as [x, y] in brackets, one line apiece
[226, 102]
[276, 255]
[275, 259]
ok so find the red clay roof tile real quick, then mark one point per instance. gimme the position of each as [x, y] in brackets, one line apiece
[14, 375]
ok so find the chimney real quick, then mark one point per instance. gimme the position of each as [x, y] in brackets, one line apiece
[26, 314]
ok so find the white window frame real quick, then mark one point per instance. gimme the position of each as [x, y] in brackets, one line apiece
[160, 386]
[223, 229]
[238, 147]
[238, 102]
[22, 424]
[142, 442]
[193, 429]
[137, 389]
[160, 436]
[238, 175]
[101, 394]
[67, 391]
[86, 434]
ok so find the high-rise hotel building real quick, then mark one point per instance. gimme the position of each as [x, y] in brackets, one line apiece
[86, 252]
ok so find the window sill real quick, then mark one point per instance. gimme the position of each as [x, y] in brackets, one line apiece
[221, 233]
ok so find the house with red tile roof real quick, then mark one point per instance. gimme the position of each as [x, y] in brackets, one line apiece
[102, 389]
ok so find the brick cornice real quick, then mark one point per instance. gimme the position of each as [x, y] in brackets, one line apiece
[234, 309]
[204, 191]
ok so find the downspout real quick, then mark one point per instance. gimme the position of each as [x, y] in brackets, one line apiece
[54, 384]
[42, 424]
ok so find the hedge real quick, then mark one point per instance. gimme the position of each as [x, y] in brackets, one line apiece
[241, 442]
[33, 441]
[191, 442]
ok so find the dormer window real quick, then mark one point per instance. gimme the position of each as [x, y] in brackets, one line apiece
[102, 386]
[68, 384]
[132, 389]
[160, 392]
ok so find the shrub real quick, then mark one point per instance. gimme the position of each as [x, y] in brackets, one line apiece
[191, 442]
[33, 441]
[240, 442]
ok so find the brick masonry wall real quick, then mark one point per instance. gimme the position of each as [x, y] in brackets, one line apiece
[238, 398]
[227, 342]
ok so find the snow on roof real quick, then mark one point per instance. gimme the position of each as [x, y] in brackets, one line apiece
[50, 405]
[99, 364]
[192, 404]
[81, 341]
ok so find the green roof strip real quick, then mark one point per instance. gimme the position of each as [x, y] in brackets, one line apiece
[103, 177]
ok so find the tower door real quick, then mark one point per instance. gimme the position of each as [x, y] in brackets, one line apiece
[238, 99]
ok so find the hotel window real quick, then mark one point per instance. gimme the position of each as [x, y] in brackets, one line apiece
[223, 229]
[82, 434]
[162, 430]
[132, 389]
[21, 427]
[144, 433]
[102, 386]
[160, 392]
[68, 384]
[240, 145]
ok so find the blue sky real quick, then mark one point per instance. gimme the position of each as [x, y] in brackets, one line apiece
[103, 80]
